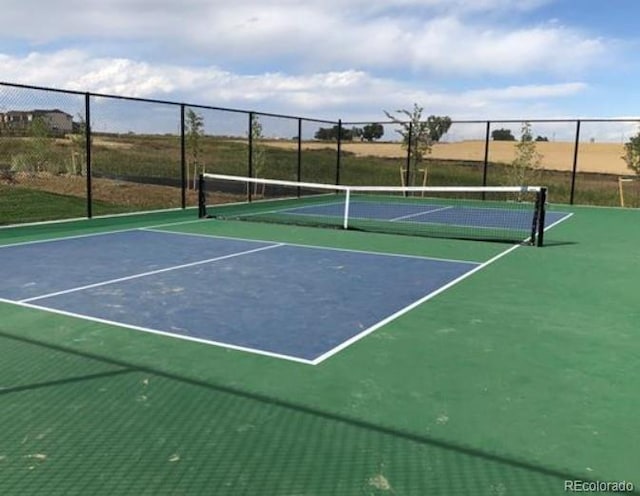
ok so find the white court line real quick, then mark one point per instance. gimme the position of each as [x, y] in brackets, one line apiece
[406, 309]
[316, 247]
[425, 298]
[566, 216]
[419, 213]
[150, 273]
[101, 233]
[106, 216]
[319, 359]
[288, 210]
[155, 331]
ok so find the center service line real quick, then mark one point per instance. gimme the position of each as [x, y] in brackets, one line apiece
[150, 273]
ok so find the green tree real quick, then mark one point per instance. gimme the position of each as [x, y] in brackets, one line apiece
[438, 126]
[632, 153]
[373, 131]
[38, 154]
[502, 135]
[324, 134]
[194, 134]
[331, 134]
[79, 148]
[259, 158]
[525, 167]
[416, 136]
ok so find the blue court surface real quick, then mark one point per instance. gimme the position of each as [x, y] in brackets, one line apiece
[430, 213]
[295, 302]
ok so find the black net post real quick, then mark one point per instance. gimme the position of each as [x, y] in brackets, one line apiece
[87, 144]
[537, 229]
[202, 197]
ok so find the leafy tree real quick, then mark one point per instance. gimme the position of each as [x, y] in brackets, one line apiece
[542, 138]
[194, 134]
[416, 136]
[259, 158]
[38, 152]
[331, 134]
[357, 133]
[373, 131]
[632, 153]
[324, 134]
[502, 135]
[438, 126]
[345, 134]
[525, 167]
[79, 147]
[40, 149]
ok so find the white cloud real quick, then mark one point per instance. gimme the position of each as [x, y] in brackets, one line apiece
[419, 36]
[529, 92]
[351, 94]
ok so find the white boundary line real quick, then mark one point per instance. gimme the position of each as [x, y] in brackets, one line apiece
[101, 233]
[317, 360]
[155, 331]
[157, 228]
[150, 273]
[285, 210]
[419, 213]
[406, 309]
[398, 221]
[292, 211]
[316, 247]
[566, 216]
[106, 216]
[422, 300]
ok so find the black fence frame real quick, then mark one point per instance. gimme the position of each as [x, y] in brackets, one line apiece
[339, 141]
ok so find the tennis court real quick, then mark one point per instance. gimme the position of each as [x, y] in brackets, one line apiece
[167, 354]
[289, 301]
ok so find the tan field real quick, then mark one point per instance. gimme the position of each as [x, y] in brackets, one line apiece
[592, 157]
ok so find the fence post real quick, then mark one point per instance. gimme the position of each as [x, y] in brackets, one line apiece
[575, 162]
[250, 159]
[485, 164]
[339, 138]
[299, 164]
[183, 158]
[87, 144]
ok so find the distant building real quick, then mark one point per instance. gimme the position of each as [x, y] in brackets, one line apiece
[57, 121]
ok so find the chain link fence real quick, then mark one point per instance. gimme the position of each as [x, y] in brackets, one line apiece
[66, 154]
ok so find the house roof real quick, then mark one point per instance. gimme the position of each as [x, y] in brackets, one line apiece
[37, 111]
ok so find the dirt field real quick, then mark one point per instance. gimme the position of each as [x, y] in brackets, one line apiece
[592, 157]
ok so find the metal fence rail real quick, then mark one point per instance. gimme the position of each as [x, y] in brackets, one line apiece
[111, 154]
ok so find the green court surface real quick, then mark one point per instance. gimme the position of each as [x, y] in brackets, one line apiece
[519, 377]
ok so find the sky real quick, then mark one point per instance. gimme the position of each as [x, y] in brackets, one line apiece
[330, 59]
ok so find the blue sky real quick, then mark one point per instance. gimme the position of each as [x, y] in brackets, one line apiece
[482, 59]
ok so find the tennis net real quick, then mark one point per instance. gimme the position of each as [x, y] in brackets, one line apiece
[505, 213]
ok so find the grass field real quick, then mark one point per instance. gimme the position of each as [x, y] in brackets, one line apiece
[511, 382]
[135, 172]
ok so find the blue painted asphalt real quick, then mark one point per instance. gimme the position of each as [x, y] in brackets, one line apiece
[290, 300]
[434, 213]
[34, 269]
